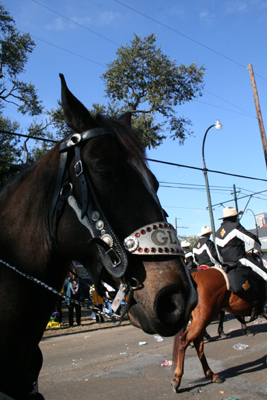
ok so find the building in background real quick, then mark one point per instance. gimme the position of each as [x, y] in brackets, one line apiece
[261, 219]
[261, 230]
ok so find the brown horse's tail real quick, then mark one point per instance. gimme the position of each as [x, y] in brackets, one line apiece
[175, 347]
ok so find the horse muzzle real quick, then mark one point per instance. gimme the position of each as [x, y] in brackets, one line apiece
[166, 310]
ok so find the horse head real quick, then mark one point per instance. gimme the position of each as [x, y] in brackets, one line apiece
[113, 222]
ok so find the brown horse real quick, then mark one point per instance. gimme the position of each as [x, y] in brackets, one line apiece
[213, 297]
[91, 199]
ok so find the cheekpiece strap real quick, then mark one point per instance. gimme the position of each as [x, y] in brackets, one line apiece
[112, 254]
[78, 169]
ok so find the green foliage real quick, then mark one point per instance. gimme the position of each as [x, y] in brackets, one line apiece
[148, 83]
[15, 49]
[191, 239]
[56, 116]
[9, 153]
[14, 52]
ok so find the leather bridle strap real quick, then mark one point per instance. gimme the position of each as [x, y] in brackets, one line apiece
[113, 257]
[78, 169]
[70, 141]
[59, 183]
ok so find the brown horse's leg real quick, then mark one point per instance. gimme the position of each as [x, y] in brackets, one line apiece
[199, 346]
[179, 348]
[220, 326]
[181, 341]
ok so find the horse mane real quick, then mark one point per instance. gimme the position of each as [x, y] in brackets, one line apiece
[16, 179]
[127, 137]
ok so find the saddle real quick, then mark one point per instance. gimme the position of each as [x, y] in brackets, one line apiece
[243, 279]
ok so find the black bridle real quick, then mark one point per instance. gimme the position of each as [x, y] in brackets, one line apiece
[159, 238]
[112, 253]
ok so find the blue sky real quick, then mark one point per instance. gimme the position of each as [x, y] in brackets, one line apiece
[223, 36]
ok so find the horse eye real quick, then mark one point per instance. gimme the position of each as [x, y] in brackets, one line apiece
[104, 173]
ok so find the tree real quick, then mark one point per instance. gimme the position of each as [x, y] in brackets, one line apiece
[14, 52]
[191, 239]
[9, 152]
[15, 49]
[150, 85]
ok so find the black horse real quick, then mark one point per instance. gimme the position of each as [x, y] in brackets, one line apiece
[91, 199]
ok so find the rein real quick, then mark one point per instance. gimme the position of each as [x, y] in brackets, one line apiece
[65, 297]
[158, 238]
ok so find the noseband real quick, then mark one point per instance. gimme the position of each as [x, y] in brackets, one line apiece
[155, 239]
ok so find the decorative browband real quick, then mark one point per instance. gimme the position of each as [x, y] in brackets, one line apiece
[159, 238]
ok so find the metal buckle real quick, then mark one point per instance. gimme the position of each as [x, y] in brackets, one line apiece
[80, 166]
[63, 187]
[116, 261]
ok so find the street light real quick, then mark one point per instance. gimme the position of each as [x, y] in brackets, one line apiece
[217, 126]
[256, 225]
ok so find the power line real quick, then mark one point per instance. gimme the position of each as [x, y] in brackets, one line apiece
[192, 186]
[208, 170]
[30, 137]
[196, 184]
[195, 189]
[68, 51]
[105, 38]
[187, 37]
[152, 160]
[76, 23]
[228, 102]
[222, 108]
[249, 191]
[228, 201]
[185, 208]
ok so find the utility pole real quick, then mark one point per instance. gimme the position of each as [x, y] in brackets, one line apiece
[176, 227]
[176, 224]
[236, 205]
[258, 111]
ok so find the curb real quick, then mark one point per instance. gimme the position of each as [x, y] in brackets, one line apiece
[124, 323]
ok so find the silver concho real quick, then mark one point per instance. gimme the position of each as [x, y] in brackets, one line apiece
[131, 243]
[99, 225]
[95, 215]
[108, 239]
[75, 138]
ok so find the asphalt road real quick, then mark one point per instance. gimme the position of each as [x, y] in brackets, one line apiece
[112, 364]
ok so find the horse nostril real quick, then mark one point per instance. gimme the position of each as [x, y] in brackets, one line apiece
[169, 305]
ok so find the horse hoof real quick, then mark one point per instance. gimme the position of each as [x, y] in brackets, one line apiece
[217, 379]
[175, 386]
[207, 338]
[248, 333]
[223, 335]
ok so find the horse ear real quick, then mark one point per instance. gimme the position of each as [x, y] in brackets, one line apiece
[126, 118]
[76, 114]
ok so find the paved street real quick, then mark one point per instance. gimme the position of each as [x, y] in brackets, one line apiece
[112, 364]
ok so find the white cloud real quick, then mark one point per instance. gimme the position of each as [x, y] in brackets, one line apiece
[82, 21]
[107, 18]
[177, 11]
[206, 17]
[236, 6]
[58, 25]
